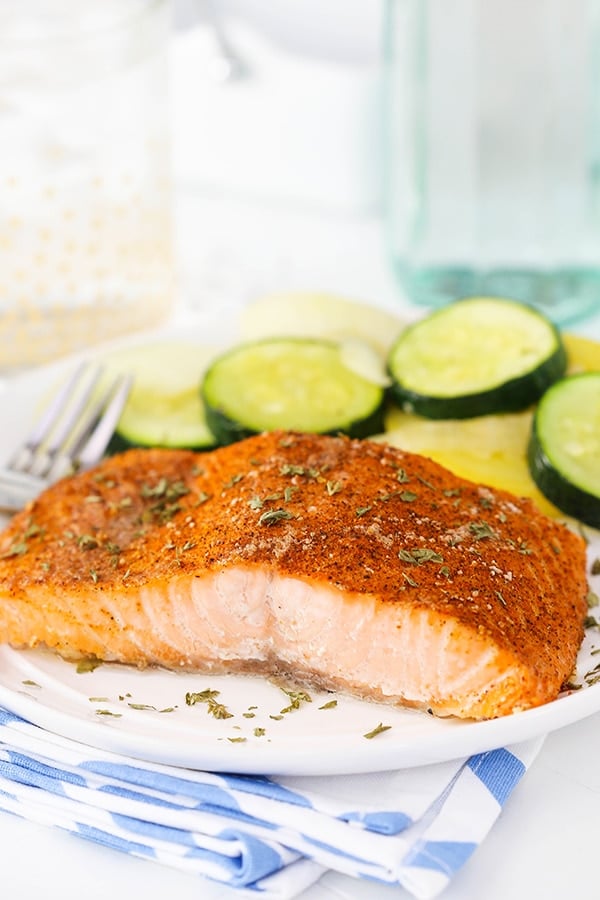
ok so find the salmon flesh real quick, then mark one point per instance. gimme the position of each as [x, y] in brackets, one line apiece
[343, 564]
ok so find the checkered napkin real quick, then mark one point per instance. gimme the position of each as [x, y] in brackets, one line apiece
[267, 836]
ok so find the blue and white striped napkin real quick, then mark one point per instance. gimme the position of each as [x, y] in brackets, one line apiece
[273, 836]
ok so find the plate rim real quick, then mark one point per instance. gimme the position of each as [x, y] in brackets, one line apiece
[311, 754]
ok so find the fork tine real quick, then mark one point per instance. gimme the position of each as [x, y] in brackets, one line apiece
[87, 421]
[87, 444]
[72, 434]
[73, 414]
[94, 448]
[22, 459]
[47, 453]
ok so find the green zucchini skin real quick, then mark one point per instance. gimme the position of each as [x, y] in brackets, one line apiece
[120, 442]
[227, 430]
[233, 408]
[549, 474]
[510, 395]
[570, 499]
[181, 425]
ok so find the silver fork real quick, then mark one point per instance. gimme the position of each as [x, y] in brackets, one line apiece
[71, 434]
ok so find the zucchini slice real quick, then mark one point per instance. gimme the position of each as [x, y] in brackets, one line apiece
[183, 426]
[164, 408]
[319, 315]
[477, 356]
[564, 447]
[297, 384]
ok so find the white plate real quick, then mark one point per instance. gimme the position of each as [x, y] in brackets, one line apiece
[131, 717]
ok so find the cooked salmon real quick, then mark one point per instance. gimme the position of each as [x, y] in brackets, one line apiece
[343, 564]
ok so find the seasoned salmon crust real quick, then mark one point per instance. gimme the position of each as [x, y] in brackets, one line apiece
[341, 563]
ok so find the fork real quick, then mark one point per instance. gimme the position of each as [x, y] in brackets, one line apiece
[71, 434]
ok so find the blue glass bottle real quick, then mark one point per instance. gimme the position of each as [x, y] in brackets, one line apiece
[492, 118]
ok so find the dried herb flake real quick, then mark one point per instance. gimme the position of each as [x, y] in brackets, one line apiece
[271, 516]
[331, 704]
[420, 555]
[296, 698]
[17, 548]
[481, 531]
[87, 665]
[218, 710]
[379, 729]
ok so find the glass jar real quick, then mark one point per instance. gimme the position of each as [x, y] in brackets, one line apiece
[85, 201]
[493, 151]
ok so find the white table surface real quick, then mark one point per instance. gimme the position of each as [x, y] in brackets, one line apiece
[545, 844]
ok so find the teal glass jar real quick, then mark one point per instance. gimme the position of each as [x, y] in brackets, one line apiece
[492, 135]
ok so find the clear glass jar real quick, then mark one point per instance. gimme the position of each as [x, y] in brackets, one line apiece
[85, 200]
[493, 151]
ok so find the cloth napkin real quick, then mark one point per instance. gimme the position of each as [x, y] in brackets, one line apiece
[268, 836]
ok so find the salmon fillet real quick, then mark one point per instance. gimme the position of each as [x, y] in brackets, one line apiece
[343, 564]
